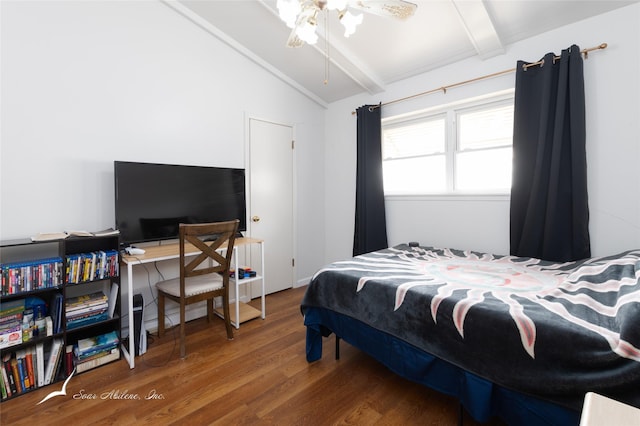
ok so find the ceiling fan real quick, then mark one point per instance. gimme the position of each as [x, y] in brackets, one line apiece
[301, 15]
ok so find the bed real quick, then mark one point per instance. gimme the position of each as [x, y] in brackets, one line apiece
[514, 337]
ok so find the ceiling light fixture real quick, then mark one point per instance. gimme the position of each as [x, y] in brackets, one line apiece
[302, 15]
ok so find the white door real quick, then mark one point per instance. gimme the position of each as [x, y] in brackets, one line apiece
[270, 209]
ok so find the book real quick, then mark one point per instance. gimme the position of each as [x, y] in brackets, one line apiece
[86, 312]
[90, 319]
[78, 233]
[40, 363]
[92, 269]
[101, 233]
[3, 389]
[85, 300]
[11, 335]
[106, 232]
[97, 361]
[5, 380]
[92, 345]
[77, 313]
[54, 354]
[16, 375]
[49, 236]
[28, 357]
[95, 353]
[49, 325]
[22, 371]
[102, 264]
[9, 324]
[12, 307]
[56, 313]
[86, 309]
[6, 364]
[34, 361]
[58, 364]
[6, 321]
[68, 361]
[113, 299]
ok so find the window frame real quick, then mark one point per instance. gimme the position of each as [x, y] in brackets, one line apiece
[451, 112]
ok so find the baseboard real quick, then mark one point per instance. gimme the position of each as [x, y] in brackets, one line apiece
[302, 283]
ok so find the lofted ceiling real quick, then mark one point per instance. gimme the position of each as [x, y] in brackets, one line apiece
[383, 49]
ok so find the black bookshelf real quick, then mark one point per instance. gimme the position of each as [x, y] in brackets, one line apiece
[93, 250]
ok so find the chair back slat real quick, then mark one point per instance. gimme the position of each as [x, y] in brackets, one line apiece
[208, 238]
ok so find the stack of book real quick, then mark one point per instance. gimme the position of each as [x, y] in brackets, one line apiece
[86, 309]
[29, 368]
[18, 277]
[96, 351]
[97, 265]
[11, 323]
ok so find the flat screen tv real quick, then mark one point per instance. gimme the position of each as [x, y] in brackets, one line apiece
[152, 199]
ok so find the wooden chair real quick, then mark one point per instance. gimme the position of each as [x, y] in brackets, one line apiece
[203, 275]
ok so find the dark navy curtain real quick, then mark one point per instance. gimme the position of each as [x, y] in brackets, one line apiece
[549, 209]
[370, 232]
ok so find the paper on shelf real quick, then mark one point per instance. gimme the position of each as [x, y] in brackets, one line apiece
[105, 232]
[79, 233]
[48, 236]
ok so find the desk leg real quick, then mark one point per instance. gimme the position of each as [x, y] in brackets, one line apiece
[263, 278]
[235, 280]
[129, 353]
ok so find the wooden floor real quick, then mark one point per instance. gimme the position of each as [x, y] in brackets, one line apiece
[260, 377]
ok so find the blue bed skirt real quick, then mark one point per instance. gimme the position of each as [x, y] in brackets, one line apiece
[481, 398]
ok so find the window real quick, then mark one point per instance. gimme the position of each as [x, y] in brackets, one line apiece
[457, 149]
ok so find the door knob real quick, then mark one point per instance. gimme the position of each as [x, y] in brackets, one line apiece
[256, 218]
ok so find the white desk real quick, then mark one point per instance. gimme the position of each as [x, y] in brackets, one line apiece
[172, 251]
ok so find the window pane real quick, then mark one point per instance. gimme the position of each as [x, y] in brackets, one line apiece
[414, 139]
[486, 128]
[484, 170]
[422, 175]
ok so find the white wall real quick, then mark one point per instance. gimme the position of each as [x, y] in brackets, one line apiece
[87, 83]
[613, 150]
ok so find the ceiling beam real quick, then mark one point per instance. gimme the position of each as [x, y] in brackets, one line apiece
[477, 23]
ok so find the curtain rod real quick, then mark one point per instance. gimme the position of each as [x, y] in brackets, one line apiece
[444, 89]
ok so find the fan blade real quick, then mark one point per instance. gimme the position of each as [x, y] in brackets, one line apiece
[394, 8]
[305, 24]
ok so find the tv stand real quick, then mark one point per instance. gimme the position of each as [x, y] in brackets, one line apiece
[241, 312]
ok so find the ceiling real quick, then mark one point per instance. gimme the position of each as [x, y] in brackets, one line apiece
[383, 49]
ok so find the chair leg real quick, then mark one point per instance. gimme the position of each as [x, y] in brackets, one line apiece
[210, 310]
[227, 314]
[160, 314]
[183, 351]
